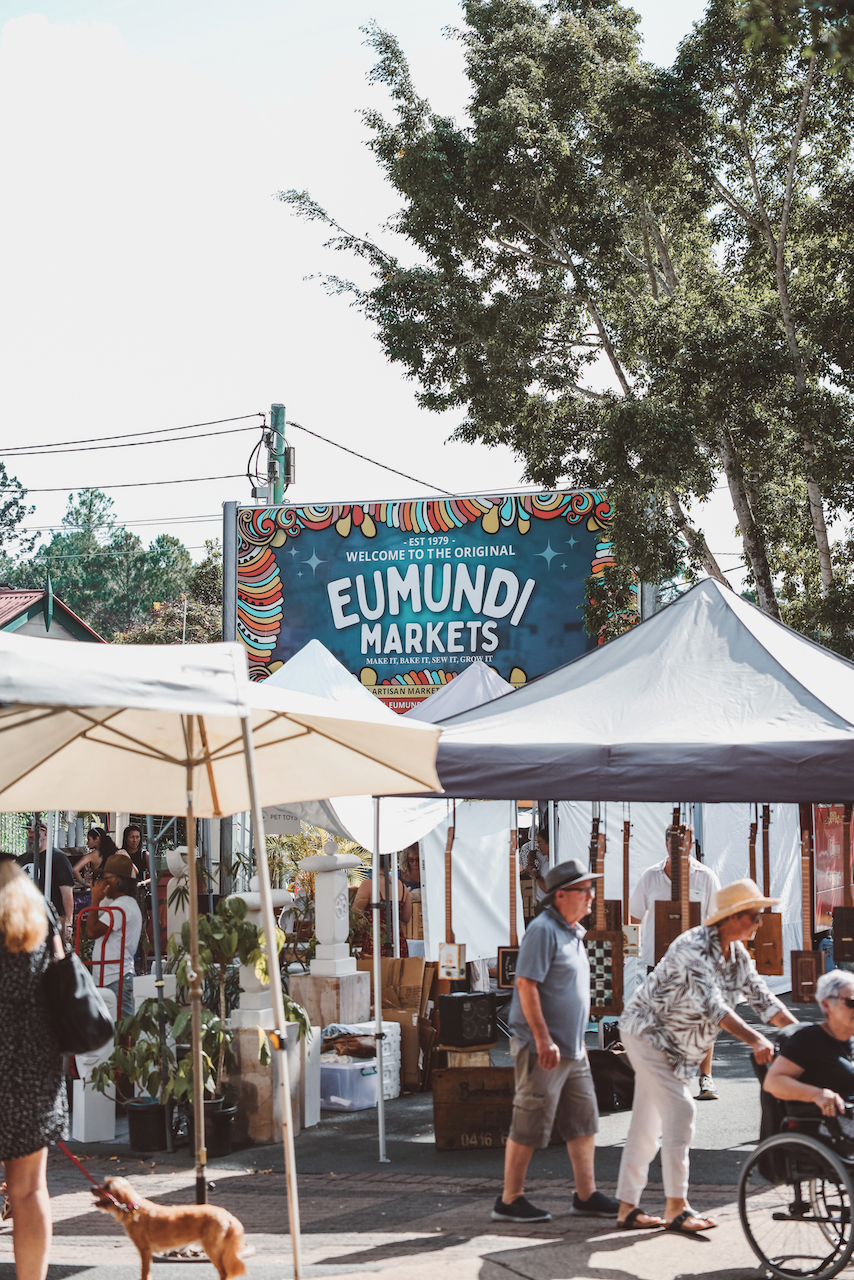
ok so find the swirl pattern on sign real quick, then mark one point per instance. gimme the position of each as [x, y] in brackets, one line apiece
[260, 598]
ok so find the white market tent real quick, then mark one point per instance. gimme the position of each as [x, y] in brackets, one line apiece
[477, 684]
[403, 821]
[708, 700]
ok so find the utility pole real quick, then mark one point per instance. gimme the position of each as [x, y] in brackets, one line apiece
[280, 464]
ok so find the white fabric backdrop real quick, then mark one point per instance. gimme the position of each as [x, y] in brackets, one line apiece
[726, 831]
[480, 902]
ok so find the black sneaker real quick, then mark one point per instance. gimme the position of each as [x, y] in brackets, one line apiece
[597, 1206]
[521, 1210]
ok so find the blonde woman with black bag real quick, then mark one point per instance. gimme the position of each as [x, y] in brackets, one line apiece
[33, 1105]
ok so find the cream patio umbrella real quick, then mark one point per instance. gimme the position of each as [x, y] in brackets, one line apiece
[172, 729]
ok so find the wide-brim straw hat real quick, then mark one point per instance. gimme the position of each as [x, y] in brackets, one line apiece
[741, 895]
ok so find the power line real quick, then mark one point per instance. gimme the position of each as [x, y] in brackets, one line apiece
[393, 470]
[45, 553]
[128, 435]
[128, 444]
[139, 484]
[109, 524]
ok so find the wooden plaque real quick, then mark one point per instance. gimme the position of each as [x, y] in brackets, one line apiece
[472, 1107]
[507, 957]
[767, 946]
[806, 969]
[668, 924]
[843, 935]
[613, 917]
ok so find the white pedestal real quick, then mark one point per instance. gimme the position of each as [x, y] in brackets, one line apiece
[94, 1118]
[256, 1002]
[144, 988]
[331, 911]
[309, 1090]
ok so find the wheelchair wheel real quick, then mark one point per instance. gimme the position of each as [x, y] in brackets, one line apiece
[794, 1202]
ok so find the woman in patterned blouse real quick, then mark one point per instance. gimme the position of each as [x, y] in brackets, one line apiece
[668, 1026]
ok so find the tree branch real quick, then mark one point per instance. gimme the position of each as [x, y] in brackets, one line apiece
[695, 539]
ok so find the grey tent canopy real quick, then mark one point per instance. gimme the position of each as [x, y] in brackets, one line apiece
[708, 700]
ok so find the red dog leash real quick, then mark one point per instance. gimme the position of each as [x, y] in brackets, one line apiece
[117, 1204]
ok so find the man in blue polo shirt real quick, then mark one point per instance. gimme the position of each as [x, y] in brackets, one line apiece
[548, 1018]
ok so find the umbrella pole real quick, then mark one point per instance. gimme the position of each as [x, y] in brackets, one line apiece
[278, 1038]
[378, 968]
[195, 990]
[158, 963]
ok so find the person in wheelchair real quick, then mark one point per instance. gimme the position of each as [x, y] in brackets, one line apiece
[814, 1063]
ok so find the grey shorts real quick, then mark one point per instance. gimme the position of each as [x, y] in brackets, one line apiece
[564, 1096]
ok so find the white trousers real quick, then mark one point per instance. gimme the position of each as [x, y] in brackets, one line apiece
[662, 1116]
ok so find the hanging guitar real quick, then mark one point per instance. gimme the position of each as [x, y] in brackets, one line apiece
[604, 949]
[767, 946]
[806, 964]
[507, 955]
[452, 954]
[679, 914]
[843, 913]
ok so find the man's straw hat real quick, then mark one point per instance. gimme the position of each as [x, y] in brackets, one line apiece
[741, 895]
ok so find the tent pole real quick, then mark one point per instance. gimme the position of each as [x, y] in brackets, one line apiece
[275, 977]
[50, 819]
[378, 969]
[392, 887]
[195, 978]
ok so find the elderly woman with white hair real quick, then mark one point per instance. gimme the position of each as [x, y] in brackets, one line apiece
[814, 1063]
[668, 1026]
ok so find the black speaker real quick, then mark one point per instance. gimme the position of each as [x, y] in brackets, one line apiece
[467, 1018]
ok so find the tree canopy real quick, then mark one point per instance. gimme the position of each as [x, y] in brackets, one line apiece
[638, 278]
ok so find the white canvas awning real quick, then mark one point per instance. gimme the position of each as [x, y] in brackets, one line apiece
[708, 700]
[477, 684]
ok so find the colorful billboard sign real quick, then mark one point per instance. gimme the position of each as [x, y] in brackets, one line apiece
[406, 594]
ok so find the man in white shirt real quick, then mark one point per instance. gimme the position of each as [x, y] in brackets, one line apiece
[116, 888]
[538, 863]
[655, 886]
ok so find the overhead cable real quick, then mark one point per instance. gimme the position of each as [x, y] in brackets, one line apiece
[364, 458]
[128, 435]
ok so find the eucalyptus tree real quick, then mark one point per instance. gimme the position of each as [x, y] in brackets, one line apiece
[593, 212]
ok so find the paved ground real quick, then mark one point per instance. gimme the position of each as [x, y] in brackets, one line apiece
[425, 1214]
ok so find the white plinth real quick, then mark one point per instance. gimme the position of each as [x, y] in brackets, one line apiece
[309, 1089]
[94, 1118]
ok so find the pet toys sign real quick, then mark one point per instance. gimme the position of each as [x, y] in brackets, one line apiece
[406, 594]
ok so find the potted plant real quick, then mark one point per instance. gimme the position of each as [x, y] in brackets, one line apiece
[148, 1065]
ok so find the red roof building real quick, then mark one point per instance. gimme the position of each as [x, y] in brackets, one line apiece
[41, 613]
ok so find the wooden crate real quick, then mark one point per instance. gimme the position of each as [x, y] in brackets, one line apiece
[472, 1107]
[415, 928]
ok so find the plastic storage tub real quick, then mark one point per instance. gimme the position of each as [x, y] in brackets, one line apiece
[348, 1086]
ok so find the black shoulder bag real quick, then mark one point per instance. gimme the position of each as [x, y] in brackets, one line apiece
[79, 1017]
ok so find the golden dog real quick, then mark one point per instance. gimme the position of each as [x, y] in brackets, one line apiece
[156, 1227]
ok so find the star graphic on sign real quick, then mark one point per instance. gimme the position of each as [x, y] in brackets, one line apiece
[300, 574]
[293, 551]
[314, 561]
[548, 555]
[563, 566]
[570, 542]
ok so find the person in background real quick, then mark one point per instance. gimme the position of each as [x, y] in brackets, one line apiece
[132, 846]
[101, 847]
[549, 1013]
[62, 878]
[33, 1100]
[667, 1027]
[363, 938]
[116, 887]
[538, 861]
[410, 868]
[655, 886]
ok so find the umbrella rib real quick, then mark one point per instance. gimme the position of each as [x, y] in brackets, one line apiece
[61, 747]
[209, 765]
[329, 737]
[151, 753]
[16, 710]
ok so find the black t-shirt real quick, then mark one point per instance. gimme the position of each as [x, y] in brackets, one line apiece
[61, 875]
[828, 1063]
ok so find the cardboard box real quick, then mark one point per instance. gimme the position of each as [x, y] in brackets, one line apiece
[407, 1020]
